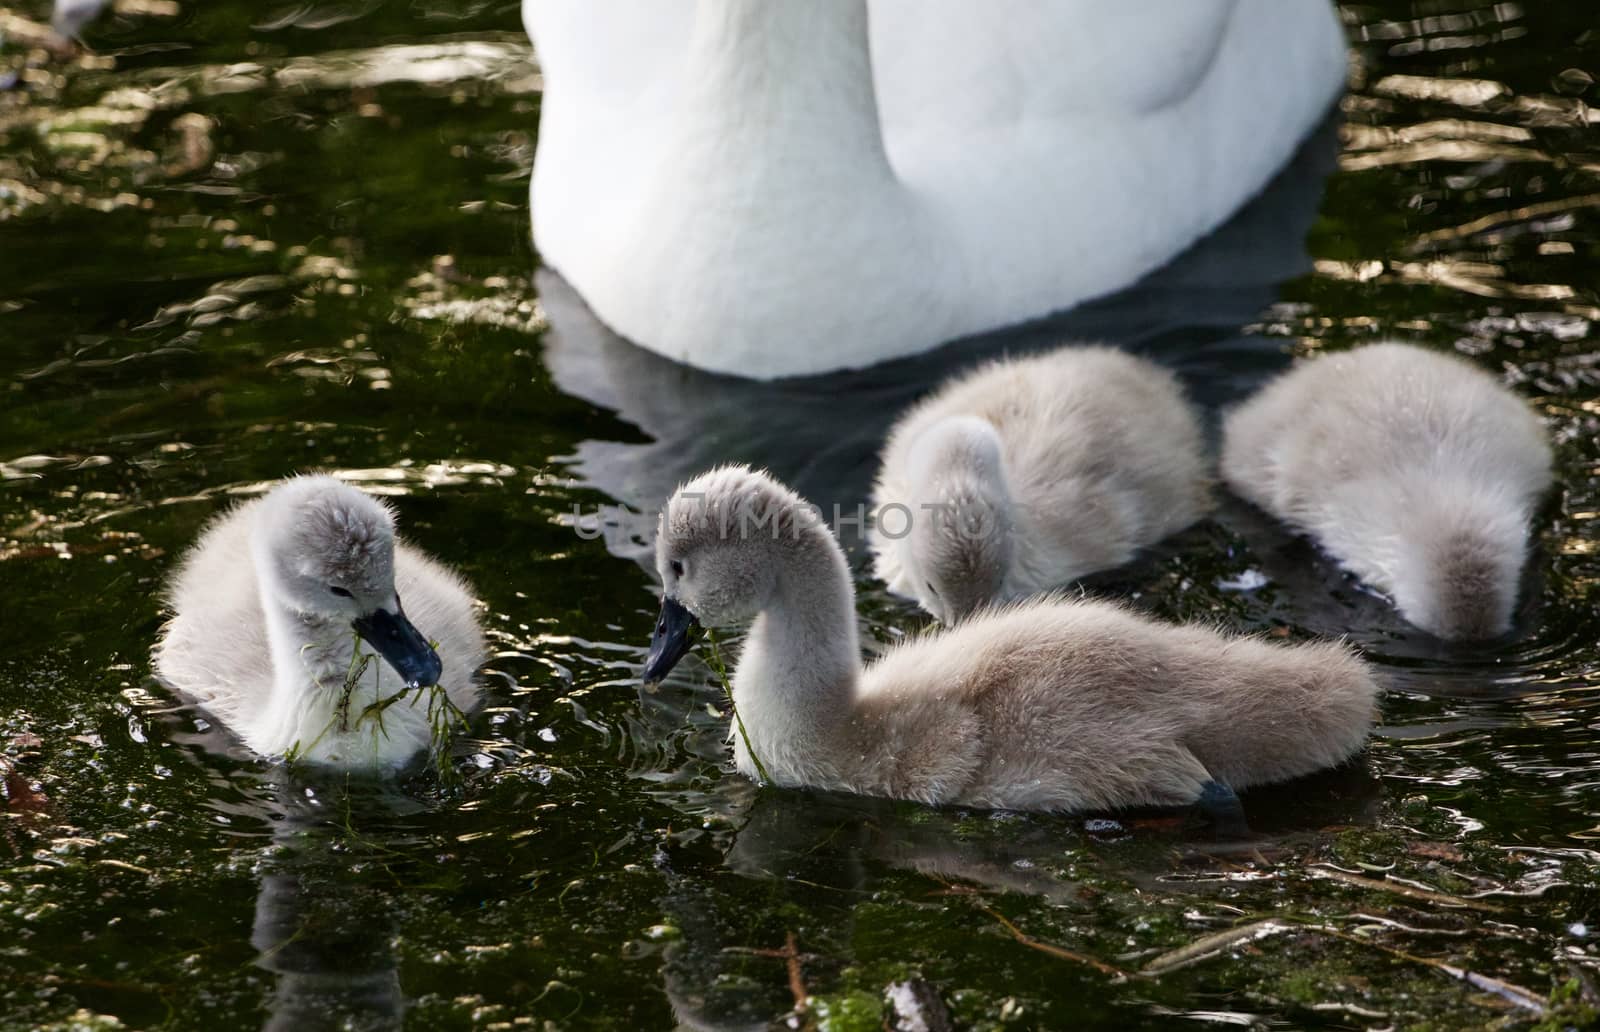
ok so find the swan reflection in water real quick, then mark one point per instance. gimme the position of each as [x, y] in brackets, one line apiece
[821, 435]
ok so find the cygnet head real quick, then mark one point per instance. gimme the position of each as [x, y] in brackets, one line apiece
[957, 544]
[718, 548]
[1458, 579]
[324, 549]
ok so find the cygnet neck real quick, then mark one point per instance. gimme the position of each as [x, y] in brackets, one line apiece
[310, 654]
[955, 460]
[1440, 508]
[802, 661]
[967, 445]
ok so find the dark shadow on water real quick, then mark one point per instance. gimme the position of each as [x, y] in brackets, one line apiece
[821, 434]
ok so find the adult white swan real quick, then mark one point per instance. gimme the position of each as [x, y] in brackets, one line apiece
[788, 187]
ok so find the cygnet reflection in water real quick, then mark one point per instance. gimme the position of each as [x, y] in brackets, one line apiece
[825, 852]
[323, 926]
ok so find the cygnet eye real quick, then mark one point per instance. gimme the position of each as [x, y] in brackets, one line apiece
[677, 567]
[933, 591]
[341, 592]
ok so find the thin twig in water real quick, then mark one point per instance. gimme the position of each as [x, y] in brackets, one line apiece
[1054, 951]
[1399, 889]
[790, 955]
[797, 983]
[1505, 990]
[1209, 945]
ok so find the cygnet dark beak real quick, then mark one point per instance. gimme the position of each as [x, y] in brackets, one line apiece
[400, 643]
[676, 630]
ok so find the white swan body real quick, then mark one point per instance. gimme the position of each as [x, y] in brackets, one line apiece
[1043, 705]
[1415, 470]
[1029, 473]
[796, 186]
[261, 631]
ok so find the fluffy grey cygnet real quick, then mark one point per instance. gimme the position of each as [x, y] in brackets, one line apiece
[1028, 473]
[1045, 704]
[1416, 470]
[265, 610]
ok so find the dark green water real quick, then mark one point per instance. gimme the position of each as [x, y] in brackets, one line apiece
[245, 240]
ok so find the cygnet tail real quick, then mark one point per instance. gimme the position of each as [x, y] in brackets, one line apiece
[1284, 711]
